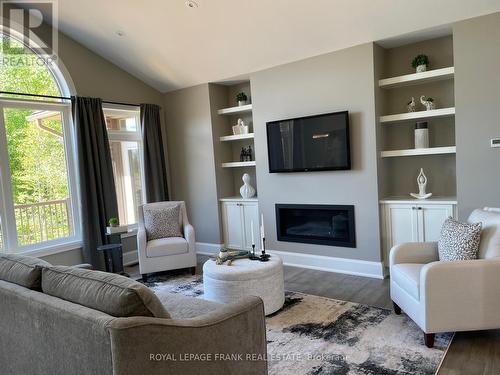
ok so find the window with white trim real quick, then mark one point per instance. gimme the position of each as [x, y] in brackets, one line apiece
[38, 190]
[125, 142]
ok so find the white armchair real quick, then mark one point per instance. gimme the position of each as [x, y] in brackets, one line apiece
[449, 296]
[170, 253]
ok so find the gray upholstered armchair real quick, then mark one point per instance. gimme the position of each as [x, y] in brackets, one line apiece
[169, 253]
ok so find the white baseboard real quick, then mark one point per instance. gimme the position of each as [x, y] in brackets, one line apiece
[330, 264]
[315, 262]
[130, 258]
[205, 248]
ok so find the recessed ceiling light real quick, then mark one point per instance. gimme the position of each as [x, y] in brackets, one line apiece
[191, 4]
[120, 33]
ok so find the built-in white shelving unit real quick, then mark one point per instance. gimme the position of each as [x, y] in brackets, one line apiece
[235, 110]
[237, 137]
[238, 164]
[419, 151]
[418, 78]
[420, 115]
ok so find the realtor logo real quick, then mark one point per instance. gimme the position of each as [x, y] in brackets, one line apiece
[33, 22]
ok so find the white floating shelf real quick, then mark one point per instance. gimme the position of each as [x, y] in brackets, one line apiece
[435, 113]
[236, 137]
[237, 164]
[234, 110]
[417, 78]
[419, 151]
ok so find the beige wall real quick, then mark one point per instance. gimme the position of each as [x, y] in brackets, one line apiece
[477, 96]
[192, 166]
[337, 81]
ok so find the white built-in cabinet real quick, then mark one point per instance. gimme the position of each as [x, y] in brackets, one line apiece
[413, 221]
[237, 215]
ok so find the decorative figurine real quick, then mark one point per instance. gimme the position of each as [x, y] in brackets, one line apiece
[247, 190]
[428, 102]
[422, 184]
[410, 106]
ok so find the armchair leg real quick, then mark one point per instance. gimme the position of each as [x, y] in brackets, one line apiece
[397, 309]
[429, 339]
[145, 277]
[193, 270]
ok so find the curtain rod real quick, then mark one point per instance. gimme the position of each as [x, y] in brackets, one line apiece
[62, 97]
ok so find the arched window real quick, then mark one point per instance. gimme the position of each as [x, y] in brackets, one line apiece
[37, 180]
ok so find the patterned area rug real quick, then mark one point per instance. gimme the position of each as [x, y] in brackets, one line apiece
[313, 335]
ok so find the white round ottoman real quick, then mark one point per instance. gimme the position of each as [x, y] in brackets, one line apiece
[245, 277]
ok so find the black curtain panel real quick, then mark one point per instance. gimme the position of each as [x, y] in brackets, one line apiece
[155, 173]
[97, 185]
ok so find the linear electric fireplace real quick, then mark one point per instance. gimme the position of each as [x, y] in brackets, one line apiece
[316, 224]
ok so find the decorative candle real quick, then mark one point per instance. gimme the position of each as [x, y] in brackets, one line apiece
[251, 229]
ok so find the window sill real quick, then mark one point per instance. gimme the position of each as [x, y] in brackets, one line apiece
[51, 250]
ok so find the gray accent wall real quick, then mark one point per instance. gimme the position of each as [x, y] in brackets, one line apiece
[477, 98]
[192, 166]
[339, 81]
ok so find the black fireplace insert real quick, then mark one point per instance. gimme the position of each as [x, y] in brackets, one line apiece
[331, 225]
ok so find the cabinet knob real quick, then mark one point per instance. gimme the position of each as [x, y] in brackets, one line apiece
[413, 208]
[419, 208]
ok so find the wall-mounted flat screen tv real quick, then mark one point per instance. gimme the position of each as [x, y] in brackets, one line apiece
[312, 143]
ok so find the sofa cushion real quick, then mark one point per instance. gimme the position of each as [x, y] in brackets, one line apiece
[489, 246]
[183, 307]
[162, 222]
[459, 241]
[407, 276]
[22, 270]
[166, 246]
[107, 292]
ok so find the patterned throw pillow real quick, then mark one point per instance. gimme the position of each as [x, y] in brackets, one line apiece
[162, 222]
[459, 241]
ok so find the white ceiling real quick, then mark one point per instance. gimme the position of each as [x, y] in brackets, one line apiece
[170, 46]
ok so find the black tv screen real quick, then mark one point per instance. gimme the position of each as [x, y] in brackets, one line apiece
[312, 143]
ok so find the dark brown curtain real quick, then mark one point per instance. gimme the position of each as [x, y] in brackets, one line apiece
[97, 185]
[155, 173]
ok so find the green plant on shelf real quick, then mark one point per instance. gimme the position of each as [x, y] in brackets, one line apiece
[241, 97]
[420, 60]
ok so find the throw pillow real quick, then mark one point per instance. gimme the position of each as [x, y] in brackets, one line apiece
[459, 241]
[22, 270]
[162, 222]
[110, 293]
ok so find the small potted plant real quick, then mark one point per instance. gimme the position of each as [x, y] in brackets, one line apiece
[420, 63]
[113, 222]
[428, 102]
[241, 98]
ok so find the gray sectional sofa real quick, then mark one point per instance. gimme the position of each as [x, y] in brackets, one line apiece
[67, 320]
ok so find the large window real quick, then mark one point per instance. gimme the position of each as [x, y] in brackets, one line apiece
[38, 206]
[126, 154]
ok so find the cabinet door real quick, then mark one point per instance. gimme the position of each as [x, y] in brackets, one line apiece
[431, 219]
[232, 225]
[250, 214]
[400, 226]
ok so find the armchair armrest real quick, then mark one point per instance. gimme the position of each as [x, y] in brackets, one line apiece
[141, 239]
[229, 340]
[189, 234]
[414, 252]
[461, 295]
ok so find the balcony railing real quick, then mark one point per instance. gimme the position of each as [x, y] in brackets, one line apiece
[43, 221]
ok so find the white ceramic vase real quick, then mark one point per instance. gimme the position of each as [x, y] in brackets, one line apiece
[421, 68]
[246, 191]
[242, 102]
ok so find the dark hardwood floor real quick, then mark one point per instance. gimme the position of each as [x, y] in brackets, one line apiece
[470, 353]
